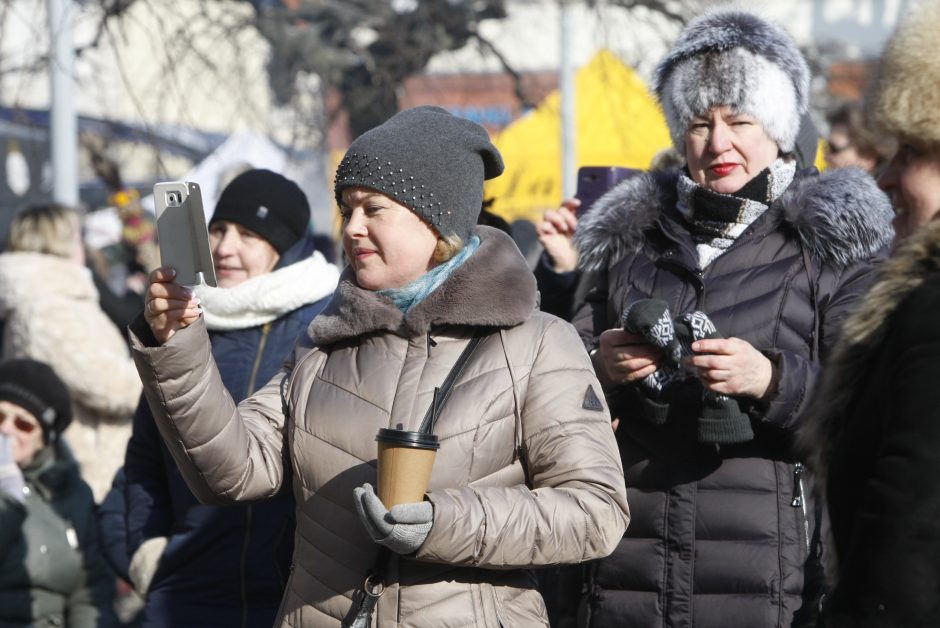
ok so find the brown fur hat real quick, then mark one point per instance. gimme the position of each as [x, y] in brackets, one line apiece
[906, 96]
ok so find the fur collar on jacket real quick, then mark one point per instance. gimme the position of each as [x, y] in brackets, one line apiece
[840, 216]
[267, 297]
[862, 335]
[493, 288]
[25, 276]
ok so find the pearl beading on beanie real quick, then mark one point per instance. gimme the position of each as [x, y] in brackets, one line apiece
[382, 176]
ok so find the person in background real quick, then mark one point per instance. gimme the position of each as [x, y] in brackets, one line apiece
[51, 571]
[720, 289]
[527, 472]
[200, 565]
[853, 142]
[667, 159]
[120, 268]
[52, 314]
[874, 427]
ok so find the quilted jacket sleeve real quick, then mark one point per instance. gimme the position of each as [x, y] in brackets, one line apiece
[148, 502]
[225, 452]
[577, 508]
[838, 292]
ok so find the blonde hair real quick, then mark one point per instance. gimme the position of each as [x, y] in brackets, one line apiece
[447, 247]
[49, 229]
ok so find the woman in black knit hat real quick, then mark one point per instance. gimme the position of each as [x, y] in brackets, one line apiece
[527, 471]
[51, 571]
[724, 530]
[220, 567]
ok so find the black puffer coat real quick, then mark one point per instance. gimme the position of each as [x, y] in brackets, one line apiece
[874, 434]
[720, 535]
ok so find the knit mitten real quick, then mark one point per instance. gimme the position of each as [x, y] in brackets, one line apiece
[403, 529]
[651, 319]
[721, 421]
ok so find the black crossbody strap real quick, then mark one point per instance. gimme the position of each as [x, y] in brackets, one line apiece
[443, 393]
[360, 614]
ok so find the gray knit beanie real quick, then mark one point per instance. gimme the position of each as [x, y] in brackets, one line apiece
[429, 161]
[736, 59]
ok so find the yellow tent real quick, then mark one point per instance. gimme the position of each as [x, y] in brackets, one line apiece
[618, 124]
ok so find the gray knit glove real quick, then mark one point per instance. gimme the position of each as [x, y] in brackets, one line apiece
[402, 529]
[11, 478]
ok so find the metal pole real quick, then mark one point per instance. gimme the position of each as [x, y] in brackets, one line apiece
[566, 89]
[63, 121]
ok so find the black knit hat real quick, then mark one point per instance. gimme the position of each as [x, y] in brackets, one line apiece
[269, 204]
[35, 387]
[429, 161]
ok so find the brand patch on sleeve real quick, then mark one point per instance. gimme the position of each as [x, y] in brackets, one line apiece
[591, 400]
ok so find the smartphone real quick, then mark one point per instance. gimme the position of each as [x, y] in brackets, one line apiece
[182, 232]
[594, 181]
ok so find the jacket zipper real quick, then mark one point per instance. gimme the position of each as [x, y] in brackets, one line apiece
[696, 277]
[265, 330]
[798, 500]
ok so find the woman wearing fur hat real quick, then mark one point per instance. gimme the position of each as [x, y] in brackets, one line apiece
[51, 571]
[736, 244]
[875, 424]
[527, 473]
[199, 565]
[51, 312]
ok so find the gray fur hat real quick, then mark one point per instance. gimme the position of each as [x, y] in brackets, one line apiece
[429, 161]
[736, 59]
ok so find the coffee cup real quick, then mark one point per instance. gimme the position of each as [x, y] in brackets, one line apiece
[405, 462]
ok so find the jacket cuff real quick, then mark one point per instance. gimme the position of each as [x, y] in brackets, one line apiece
[546, 275]
[452, 509]
[142, 332]
[793, 375]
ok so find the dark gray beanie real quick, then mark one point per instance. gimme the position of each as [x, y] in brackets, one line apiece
[35, 387]
[429, 161]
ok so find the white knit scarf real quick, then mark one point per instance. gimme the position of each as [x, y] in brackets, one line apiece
[264, 298]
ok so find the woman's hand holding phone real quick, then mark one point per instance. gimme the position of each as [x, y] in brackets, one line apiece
[169, 307]
[556, 235]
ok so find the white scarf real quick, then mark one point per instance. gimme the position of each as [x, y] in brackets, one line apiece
[264, 298]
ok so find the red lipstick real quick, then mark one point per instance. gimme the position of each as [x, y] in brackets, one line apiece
[723, 169]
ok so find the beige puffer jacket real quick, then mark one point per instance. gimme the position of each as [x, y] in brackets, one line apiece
[50, 310]
[528, 384]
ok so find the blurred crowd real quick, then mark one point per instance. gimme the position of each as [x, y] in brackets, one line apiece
[699, 394]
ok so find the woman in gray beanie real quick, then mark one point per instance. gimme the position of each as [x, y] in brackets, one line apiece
[527, 473]
[739, 244]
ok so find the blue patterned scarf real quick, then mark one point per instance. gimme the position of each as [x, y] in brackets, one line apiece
[414, 293]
